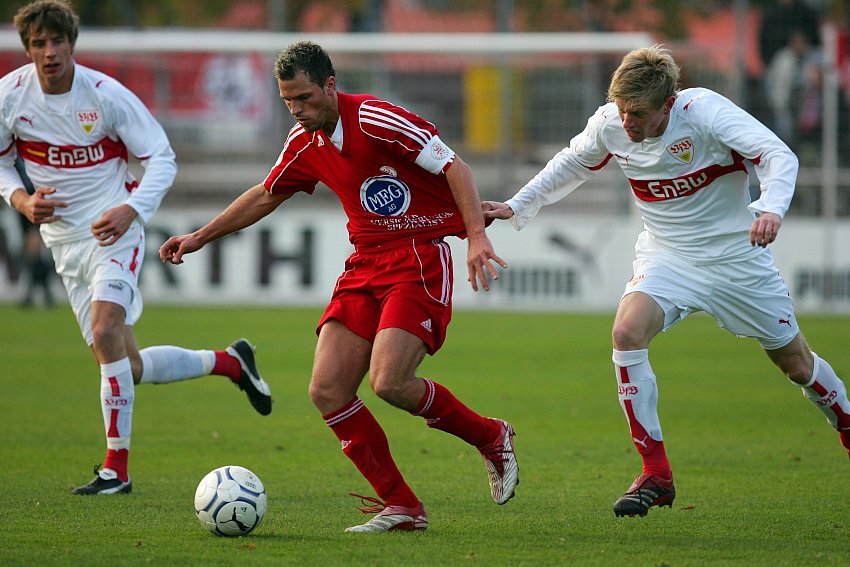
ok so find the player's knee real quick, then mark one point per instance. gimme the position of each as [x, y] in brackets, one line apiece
[797, 368]
[387, 387]
[107, 335]
[795, 360]
[628, 336]
[327, 398]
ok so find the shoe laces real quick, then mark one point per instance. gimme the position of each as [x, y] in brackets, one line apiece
[371, 505]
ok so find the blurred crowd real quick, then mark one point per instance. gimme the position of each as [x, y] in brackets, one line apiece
[792, 56]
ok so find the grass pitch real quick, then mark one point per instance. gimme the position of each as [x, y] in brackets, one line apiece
[761, 478]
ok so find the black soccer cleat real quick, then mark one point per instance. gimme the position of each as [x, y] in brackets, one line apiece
[250, 382]
[105, 482]
[646, 491]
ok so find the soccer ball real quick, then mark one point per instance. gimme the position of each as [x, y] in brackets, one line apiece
[230, 501]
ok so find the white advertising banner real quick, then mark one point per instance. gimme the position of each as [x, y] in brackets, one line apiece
[558, 262]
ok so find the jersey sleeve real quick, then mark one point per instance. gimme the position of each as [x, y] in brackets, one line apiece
[410, 137]
[145, 139]
[10, 180]
[774, 163]
[288, 174]
[565, 172]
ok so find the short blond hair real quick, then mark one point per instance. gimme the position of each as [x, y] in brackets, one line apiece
[646, 76]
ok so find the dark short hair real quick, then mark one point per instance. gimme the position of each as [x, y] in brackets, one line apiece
[306, 57]
[53, 16]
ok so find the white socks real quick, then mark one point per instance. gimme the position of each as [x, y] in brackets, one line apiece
[164, 364]
[638, 394]
[116, 396]
[828, 393]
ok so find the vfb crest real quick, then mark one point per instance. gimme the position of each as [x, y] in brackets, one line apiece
[87, 119]
[385, 195]
[682, 150]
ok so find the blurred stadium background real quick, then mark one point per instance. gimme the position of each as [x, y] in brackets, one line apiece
[508, 83]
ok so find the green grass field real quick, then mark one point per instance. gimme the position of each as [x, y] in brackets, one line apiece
[761, 478]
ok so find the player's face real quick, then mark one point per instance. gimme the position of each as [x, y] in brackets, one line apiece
[642, 121]
[52, 54]
[314, 107]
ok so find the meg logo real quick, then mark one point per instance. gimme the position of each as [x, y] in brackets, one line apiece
[385, 195]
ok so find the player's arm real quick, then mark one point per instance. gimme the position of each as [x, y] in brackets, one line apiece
[248, 208]
[36, 207]
[480, 251]
[774, 163]
[565, 172]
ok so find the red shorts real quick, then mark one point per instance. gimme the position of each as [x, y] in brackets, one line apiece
[406, 286]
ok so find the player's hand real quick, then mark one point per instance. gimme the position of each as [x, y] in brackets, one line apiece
[495, 210]
[480, 256]
[175, 247]
[113, 224]
[37, 207]
[764, 229]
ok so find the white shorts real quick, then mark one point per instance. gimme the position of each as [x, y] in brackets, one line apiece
[747, 297]
[84, 263]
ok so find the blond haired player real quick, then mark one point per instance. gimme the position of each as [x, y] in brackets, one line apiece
[704, 244]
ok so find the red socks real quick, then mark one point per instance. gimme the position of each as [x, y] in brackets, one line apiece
[443, 411]
[365, 443]
[226, 365]
[117, 461]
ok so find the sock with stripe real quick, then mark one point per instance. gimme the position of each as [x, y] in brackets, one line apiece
[365, 443]
[116, 396]
[442, 410]
[638, 394]
[828, 393]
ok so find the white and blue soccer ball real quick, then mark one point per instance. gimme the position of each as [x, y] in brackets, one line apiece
[230, 501]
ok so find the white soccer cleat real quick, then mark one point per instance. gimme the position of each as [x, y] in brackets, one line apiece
[391, 518]
[502, 467]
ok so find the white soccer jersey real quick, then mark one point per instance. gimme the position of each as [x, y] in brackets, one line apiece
[690, 183]
[78, 143]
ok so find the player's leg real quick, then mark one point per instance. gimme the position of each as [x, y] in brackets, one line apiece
[164, 364]
[416, 310]
[341, 361]
[819, 382]
[117, 390]
[755, 288]
[639, 318]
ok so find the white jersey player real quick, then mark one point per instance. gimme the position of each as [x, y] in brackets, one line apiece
[704, 244]
[75, 129]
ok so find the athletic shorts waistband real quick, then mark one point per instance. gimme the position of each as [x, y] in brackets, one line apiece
[377, 248]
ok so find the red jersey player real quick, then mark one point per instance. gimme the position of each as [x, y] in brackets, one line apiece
[403, 191]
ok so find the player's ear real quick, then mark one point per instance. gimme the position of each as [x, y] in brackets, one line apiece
[330, 85]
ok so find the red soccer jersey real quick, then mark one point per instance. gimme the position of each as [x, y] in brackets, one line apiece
[389, 175]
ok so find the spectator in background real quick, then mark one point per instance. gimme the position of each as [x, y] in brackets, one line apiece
[787, 80]
[788, 37]
[780, 19]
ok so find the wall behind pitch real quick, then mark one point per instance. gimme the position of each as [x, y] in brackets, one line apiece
[558, 262]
